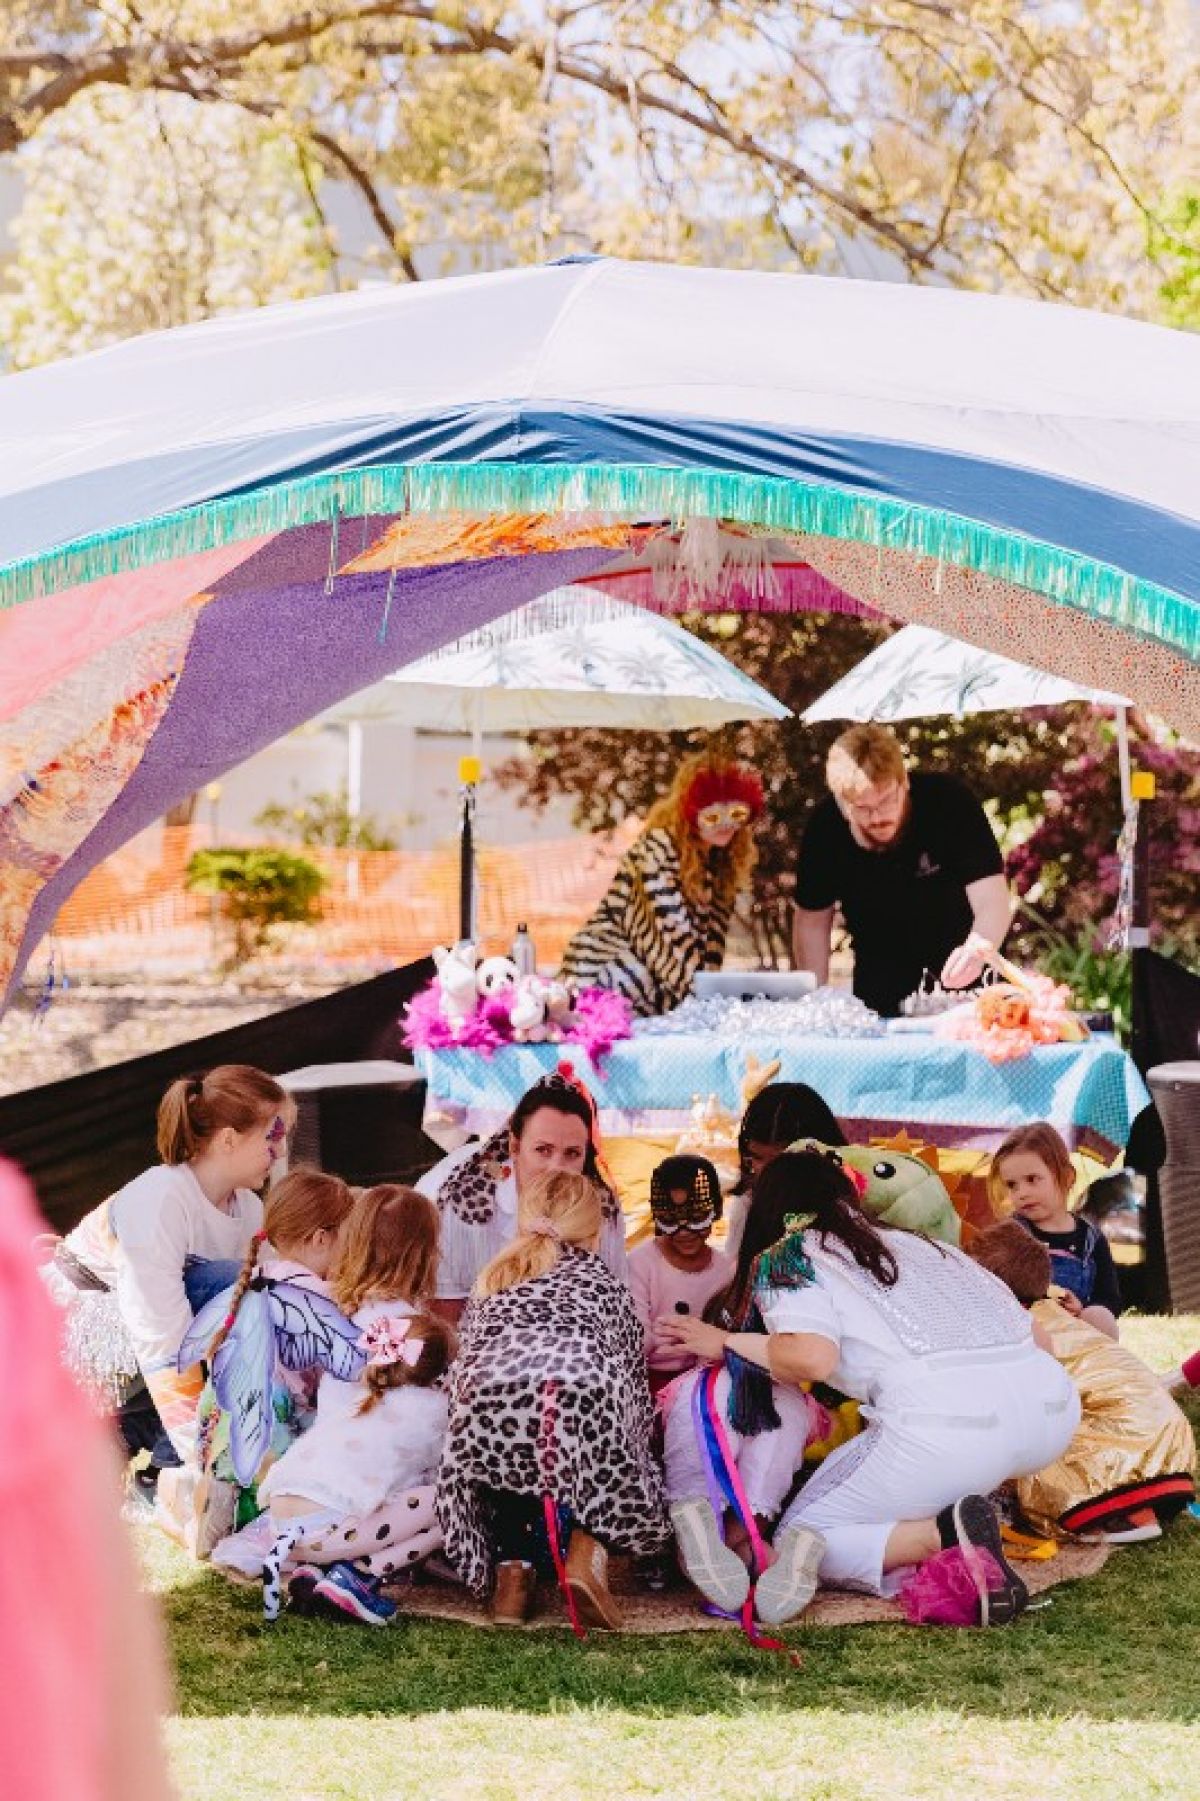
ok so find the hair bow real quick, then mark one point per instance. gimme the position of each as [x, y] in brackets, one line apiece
[387, 1341]
[543, 1228]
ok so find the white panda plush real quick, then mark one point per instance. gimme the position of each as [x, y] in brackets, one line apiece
[495, 975]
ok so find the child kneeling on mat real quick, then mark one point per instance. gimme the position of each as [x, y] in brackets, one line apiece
[355, 1493]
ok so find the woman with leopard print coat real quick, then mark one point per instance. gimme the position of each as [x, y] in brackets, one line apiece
[549, 1400]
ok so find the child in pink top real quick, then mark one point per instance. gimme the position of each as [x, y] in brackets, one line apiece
[678, 1271]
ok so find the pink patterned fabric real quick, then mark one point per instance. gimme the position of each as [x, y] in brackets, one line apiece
[41, 641]
[796, 588]
[1016, 623]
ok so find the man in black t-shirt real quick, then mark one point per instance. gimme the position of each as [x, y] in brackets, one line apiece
[912, 862]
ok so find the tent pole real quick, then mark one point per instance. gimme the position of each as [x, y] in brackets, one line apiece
[1122, 720]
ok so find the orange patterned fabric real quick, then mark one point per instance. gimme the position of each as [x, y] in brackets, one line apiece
[424, 540]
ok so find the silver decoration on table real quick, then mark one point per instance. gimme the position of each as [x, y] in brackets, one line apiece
[826, 1013]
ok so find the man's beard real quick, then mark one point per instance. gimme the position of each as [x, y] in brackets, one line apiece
[879, 845]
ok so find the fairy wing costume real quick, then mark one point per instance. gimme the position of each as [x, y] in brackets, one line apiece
[275, 1319]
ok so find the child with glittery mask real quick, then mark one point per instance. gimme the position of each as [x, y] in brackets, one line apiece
[677, 1271]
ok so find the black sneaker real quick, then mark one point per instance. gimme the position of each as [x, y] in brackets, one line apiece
[972, 1523]
[302, 1589]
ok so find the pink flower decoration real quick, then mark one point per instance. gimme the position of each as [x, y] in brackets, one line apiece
[386, 1341]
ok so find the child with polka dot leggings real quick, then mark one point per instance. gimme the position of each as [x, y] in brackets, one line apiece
[353, 1494]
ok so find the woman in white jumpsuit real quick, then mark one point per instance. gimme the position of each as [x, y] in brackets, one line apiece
[957, 1395]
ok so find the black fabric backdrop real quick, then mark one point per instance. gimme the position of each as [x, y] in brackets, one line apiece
[81, 1139]
[1166, 1029]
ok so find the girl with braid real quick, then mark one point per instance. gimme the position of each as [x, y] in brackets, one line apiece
[302, 1223]
[667, 910]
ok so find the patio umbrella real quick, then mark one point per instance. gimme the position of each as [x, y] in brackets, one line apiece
[572, 658]
[919, 672]
[212, 534]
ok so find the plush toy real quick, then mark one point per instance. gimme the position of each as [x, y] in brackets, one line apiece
[897, 1188]
[1006, 1021]
[560, 1008]
[495, 975]
[756, 1076]
[527, 1016]
[456, 983]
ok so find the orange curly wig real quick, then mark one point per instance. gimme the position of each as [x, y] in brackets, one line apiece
[700, 780]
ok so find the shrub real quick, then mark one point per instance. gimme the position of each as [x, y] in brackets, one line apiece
[260, 889]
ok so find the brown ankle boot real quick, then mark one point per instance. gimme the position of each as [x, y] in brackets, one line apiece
[514, 1594]
[587, 1579]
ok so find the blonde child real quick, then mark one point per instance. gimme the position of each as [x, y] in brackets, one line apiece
[1033, 1170]
[353, 1483]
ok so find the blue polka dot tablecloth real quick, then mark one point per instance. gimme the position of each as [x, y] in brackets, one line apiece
[1091, 1092]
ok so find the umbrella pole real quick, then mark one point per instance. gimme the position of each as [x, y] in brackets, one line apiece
[468, 775]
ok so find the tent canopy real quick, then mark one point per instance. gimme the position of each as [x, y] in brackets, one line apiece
[210, 535]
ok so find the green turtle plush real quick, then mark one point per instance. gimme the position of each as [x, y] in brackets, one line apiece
[901, 1189]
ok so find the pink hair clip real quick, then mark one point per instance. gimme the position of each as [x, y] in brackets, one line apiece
[544, 1228]
[387, 1341]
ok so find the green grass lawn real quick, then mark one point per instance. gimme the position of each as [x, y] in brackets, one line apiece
[1096, 1695]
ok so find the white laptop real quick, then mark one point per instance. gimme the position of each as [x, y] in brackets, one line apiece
[749, 984]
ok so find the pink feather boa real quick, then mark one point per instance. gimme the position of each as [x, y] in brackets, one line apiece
[601, 1019]
[942, 1591]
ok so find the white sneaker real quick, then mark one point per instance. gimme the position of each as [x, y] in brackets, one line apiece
[709, 1564]
[786, 1589]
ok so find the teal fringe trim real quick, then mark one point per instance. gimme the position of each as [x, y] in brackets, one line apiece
[635, 491]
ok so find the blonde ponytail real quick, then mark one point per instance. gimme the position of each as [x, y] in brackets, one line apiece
[554, 1211]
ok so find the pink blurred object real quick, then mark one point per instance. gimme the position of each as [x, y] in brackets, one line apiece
[52, 1593]
[1006, 1022]
[943, 1591]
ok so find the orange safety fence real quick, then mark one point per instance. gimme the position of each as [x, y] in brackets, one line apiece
[134, 910]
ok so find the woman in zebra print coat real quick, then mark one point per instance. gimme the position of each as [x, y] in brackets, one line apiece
[667, 910]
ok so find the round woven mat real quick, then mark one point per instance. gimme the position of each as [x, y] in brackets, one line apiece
[678, 1608]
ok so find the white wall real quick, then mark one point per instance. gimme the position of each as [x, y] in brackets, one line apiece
[410, 785]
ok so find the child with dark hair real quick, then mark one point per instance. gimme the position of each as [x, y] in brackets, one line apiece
[677, 1272]
[960, 1397]
[777, 1117]
[1131, 1464]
